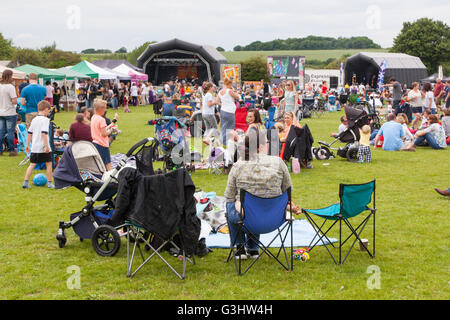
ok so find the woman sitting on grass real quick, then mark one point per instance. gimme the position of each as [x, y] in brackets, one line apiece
[434, 135]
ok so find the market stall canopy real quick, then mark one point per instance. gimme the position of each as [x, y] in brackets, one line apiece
[121, 76]
[135, 75]
[17, 75]
[41, 72]
[404, 68]
[93, 71]
[71, 74]
[111, 64]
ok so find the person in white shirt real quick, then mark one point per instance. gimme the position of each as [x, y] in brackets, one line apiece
[228, 99]
[342, 127]
[415, 99]
[134, 93]
[145, 93]
[430, 103]
[209, 110]
[8, 114]
[40, 151]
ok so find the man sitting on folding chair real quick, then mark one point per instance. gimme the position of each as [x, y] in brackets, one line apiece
[259, 175]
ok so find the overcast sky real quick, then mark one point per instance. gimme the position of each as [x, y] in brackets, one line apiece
[79, 24]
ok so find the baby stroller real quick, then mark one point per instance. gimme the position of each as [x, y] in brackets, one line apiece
[357, 118]
[82, 167]
[172, 141]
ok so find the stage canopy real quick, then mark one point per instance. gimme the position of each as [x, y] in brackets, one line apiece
[366, 65]
[135, 75]
[17, 75]
[175, 58]
[42, 73]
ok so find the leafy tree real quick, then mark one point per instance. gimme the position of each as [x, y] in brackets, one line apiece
[254, 69]
[134, 55]
[27, 56]
[58, 59]
[427, 39]
[310, 43]
[89, 51]
[220, 49]
[96, 51]
[122, 50]
[6, 49]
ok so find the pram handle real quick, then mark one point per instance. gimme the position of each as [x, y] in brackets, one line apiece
[137, 145]
[166, 119]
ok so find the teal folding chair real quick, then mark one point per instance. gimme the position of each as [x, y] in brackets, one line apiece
[354, 200]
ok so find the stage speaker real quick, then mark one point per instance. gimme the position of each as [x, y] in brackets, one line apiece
[334, 82]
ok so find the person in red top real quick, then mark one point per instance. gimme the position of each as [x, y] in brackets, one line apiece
[80, 130]
[439, 91]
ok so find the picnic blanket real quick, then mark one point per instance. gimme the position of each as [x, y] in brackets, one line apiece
[303, 234]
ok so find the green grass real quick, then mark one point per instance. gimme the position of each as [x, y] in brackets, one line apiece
[412, 236]
[320, 55]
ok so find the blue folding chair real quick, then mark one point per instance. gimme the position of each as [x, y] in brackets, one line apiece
[354, 200]
[261, 216]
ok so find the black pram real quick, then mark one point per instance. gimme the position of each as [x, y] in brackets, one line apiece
[357, 118]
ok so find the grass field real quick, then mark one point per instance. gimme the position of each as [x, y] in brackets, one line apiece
[412, 251]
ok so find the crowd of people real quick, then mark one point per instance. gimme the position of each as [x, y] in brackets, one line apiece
[116, 95]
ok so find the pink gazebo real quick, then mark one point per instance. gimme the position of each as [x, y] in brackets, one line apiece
[135, 75]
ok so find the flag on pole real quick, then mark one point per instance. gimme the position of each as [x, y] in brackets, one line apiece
[341, 82]
[381, 75]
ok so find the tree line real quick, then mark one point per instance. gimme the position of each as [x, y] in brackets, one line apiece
[310, 43]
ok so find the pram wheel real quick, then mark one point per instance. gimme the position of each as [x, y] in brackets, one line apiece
[322, 153]
[62, 242]
[61, 236]
[352, 154]
[106, 241]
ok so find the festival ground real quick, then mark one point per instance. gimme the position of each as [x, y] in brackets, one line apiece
[411, 252]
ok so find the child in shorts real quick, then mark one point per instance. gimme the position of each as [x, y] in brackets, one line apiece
[40, 151]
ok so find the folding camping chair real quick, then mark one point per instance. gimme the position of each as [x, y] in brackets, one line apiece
[261, 216]
[136, 236]
[354, 200]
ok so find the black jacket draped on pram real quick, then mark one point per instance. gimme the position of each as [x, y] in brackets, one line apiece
[162, 204]
[299, 144]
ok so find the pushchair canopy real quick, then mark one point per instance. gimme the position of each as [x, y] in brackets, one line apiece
[87, 158]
